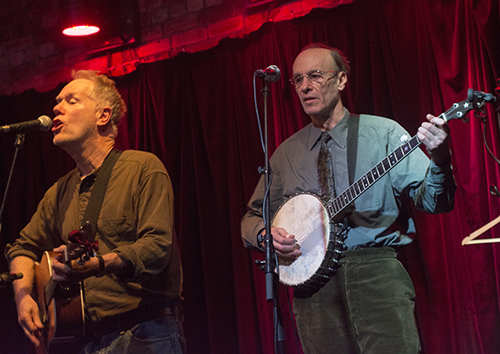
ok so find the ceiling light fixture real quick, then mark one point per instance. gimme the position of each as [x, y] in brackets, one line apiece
[81, 30]
[81, 18]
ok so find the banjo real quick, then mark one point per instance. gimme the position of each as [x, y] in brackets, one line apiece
[311, 220]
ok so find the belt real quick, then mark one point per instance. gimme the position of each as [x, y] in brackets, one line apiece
[127, 320]
[369, 253]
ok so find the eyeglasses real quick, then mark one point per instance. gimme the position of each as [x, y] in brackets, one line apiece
[315, 76]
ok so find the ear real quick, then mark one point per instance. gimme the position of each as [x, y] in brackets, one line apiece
[104, 116]
[342, 80]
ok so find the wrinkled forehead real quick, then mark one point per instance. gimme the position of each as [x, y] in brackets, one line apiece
[314, 59]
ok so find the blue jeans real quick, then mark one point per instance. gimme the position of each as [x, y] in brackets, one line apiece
[367, 307]
[162, 335]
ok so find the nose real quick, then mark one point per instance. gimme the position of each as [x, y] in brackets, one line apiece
[305, 85]
[57, 108]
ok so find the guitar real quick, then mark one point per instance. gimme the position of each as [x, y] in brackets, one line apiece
[61, 307]
[311, 221]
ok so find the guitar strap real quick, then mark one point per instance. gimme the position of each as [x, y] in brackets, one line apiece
[352, 145]
[339, 229]
[94, 205]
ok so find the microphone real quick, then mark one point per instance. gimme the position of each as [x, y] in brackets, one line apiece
[7, 278]
[271, 74]
[43, 123]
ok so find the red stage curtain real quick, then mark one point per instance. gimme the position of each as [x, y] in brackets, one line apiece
[196, 112]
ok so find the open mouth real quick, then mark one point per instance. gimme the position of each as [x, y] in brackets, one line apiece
[56, 124]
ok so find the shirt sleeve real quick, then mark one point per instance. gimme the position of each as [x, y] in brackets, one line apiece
[39, 234]
[437, 194]
[252, 223]
[150, 253]
[431, 187]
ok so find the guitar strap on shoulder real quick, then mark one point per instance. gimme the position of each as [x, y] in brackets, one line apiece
[94, 205]
[352, 145]
[340, 228]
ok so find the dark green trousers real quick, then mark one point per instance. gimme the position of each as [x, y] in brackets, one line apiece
[367, 307]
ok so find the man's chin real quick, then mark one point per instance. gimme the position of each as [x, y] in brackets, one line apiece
[310, 105]
[56, 141]
[59, 141]
[311, 111]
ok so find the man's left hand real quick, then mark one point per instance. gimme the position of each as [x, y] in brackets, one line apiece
[434, 135]
[75, 272]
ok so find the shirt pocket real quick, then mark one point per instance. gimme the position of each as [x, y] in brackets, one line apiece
[118, 231]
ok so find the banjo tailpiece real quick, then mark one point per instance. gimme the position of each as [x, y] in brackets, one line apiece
[331, 262]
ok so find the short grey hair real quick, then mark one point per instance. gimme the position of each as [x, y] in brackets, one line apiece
[104, 93]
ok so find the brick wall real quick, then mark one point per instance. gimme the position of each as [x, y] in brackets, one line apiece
[33, 53]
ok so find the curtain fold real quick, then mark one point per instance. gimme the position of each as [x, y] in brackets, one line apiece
[196, 113]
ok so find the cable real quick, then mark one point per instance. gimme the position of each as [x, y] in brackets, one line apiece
[257, 113]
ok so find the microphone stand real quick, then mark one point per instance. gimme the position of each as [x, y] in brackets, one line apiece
[272, 284]
[18, 144]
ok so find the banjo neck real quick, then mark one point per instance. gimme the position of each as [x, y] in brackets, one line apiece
[458, 110]
[336, 205]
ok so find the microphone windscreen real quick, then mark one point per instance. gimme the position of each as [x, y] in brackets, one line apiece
[45, 123]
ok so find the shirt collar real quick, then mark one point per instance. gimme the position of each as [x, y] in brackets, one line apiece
[338, 133]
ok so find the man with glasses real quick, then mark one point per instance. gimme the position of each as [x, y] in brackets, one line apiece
[368, 304]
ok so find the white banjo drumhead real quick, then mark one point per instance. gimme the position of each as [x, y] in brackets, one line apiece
[305, 217]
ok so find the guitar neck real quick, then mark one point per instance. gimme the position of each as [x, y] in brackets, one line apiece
[339, 203]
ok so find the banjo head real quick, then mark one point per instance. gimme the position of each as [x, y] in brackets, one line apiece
[305, 217]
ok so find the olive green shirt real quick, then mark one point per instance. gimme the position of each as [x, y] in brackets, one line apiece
[136, 222]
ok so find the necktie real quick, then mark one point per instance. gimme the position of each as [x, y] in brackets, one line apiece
[325, 168]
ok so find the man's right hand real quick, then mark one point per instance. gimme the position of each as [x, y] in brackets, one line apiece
[287, 248]
[28, 317]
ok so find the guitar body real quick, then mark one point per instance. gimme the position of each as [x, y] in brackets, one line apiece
[61, 307]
